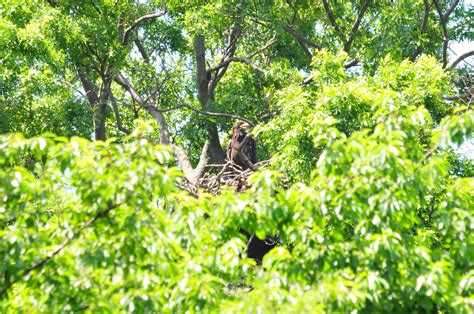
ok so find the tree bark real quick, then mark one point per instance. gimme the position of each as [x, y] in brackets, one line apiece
[217, 154]
[99, 107]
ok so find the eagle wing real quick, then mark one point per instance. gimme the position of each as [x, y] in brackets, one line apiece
[251, 150]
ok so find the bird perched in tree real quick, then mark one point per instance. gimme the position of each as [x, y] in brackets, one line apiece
[242, 149]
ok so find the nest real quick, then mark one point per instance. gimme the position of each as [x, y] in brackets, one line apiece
[230, 174]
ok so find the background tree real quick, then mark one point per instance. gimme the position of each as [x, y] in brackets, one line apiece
[356, 104]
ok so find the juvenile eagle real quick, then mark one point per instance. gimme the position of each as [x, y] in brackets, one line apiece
[242, 149]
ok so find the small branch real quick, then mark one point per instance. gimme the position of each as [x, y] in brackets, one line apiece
[355, 28]
[228, 52]
[346, 65]
[461, 58]
[142, 51]
[236, 59]
[117, 118]
[50, 255]
[137, 22]
[461, 96]
[423, 25]
[263, 48]
[248, 60]
[216, 114]
[158, 88]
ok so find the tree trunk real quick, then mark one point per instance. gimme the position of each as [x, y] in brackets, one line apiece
[217, 154]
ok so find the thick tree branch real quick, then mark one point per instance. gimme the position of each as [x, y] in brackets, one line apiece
[201, 72]
[191, 174]
[150, 108]
[137, 22]
[228, 53]
[426, 14]
[331, 17]
[450, 10]
[355, 27]
[461, 96]
[444, 27]
[461, 58]
[98, 103]
[302, 41]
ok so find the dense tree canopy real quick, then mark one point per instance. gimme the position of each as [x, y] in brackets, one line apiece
[115, 117]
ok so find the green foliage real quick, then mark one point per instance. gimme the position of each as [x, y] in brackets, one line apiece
[338, 105]
[366, 189]
[371, 225]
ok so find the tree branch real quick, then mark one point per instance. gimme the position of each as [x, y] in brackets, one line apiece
[444, 27]
[50, 255]
[461, 96]
[331, 17]
[461, 58]
[450, 10]
[217, 114]
[181, 156]
[346, 65]
[355, 28]
[236, 59]
[117, 118]
[263, 48]
[302, 41]
[142, 51]
[423, 25]
[137, 22]
[228, 52]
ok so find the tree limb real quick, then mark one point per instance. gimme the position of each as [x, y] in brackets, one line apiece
[142, 50]
[228, 52]
[117, 118]
[423, 25]
[216, 114]
[461, 58]
[355, 27]
[99, 106]
[137, 22]
[190, 173]
[461, 96]
[346, 65]
[236, 59]
[50, 255]
[331, 17]
[444, 27]
[263, 48]
[302, 41]
[450, 10]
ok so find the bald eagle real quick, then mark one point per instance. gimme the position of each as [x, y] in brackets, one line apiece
[242, 149]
